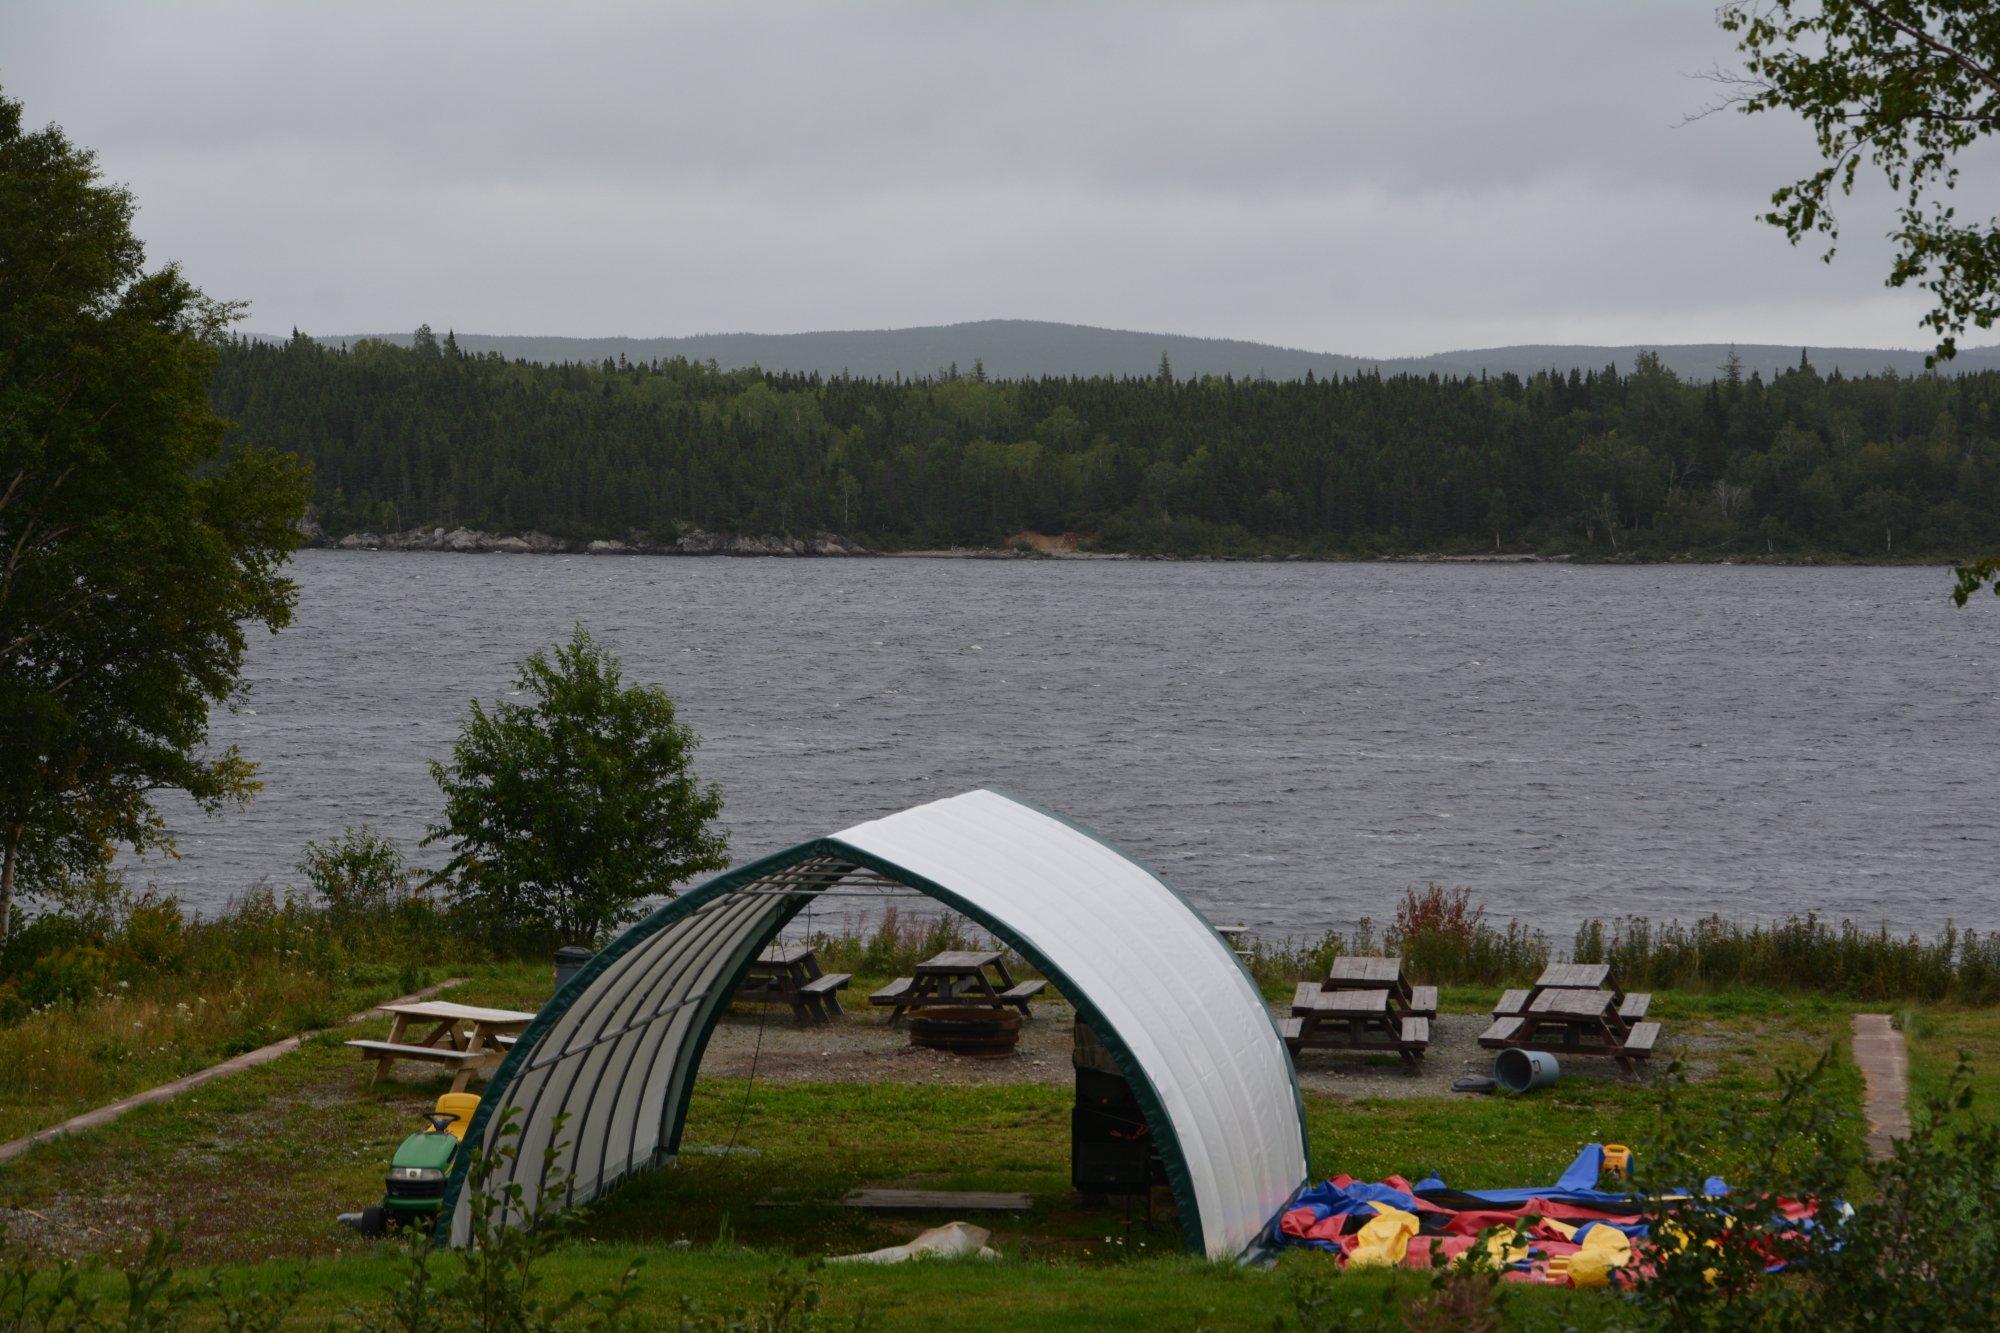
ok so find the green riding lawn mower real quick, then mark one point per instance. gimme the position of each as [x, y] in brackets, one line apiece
[414, 1189]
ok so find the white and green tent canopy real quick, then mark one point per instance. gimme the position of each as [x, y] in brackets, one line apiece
[614, 1053]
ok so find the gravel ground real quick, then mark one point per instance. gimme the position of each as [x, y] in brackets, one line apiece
[863, 1048]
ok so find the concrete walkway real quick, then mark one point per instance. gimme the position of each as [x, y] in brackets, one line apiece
[104, 1115]
[1885, 1073]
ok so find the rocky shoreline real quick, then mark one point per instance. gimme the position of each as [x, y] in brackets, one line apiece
[698, 542]
[472, 541]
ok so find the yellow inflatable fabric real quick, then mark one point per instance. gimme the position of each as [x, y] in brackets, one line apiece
[1604, 1248]
[1384, 1240]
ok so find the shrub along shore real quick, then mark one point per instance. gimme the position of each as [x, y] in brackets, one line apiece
[1444, 937]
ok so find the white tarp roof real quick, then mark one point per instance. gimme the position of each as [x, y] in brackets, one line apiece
[615, 1051]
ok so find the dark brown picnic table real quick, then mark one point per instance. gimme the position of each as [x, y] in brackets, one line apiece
[1359, 972]
[791, 974]
[958, 976]
[1369, 1021]
[1575, 1009]
[1579, 976]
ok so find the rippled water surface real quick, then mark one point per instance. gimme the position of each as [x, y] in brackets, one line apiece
[1292, 745]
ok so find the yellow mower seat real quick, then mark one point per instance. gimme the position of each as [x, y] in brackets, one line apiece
[459, 1106]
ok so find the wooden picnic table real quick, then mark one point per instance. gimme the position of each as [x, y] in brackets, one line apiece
[1575, 1009]
[1370, 1021]
[791, 974]
[1579, 976]
[463, 1037]
[1358, 972]
[958, 976]
[1573, 977]
[1574, 1003]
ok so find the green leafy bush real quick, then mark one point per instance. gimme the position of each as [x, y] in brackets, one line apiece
[358, 875]
[152, 938]
[67, 978]
[84, 911]
[1917, 1247]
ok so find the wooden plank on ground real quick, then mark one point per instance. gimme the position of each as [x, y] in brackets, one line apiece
[927, 1201]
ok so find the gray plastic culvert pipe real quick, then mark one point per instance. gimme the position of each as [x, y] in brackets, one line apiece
[1522, 1071]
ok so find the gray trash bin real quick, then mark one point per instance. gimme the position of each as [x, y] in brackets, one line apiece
[569, 961]
[1522, 1071]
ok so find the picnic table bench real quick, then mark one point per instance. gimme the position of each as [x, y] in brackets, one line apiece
[1575, 1009]
[958, 976]
[1370, 1021]
[464, 1038]
[791, 974]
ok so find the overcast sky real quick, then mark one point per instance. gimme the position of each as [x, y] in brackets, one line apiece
[1364, 178]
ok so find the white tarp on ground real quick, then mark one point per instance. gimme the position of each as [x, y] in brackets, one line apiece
[615, 1052]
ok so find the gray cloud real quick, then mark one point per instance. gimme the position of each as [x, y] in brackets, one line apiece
[1360, 178]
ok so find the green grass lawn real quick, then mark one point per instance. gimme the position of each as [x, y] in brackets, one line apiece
[1937, 1039]
[1149, 1293]
[259, 1164]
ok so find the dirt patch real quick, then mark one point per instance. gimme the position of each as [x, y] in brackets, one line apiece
[1056, 543]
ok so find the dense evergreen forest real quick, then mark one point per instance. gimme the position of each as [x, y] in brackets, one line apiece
[1591, 463]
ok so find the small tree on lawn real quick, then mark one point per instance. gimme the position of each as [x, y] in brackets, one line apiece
[565, 812]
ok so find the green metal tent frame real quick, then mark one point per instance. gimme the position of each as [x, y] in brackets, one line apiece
[716, 1001]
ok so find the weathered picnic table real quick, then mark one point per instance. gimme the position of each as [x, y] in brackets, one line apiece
[1357, 972]
[1575, 1009]
[958, 976]
[1373, 1021]
[791, 974]
[462, 1037]
[1234, 936]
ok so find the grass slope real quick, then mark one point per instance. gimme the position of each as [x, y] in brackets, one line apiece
[259, 1164]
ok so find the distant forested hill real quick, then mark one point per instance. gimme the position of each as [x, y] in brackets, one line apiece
[1597, 464]
[1020, 348]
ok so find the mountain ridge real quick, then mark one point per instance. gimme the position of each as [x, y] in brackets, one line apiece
[1015, 349]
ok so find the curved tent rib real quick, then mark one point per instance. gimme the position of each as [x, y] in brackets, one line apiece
[612, 1057]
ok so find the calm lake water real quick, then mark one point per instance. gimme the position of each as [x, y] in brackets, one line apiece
[1292, 745]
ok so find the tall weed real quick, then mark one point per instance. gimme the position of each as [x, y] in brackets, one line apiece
[107, 991]
[1801, 953]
